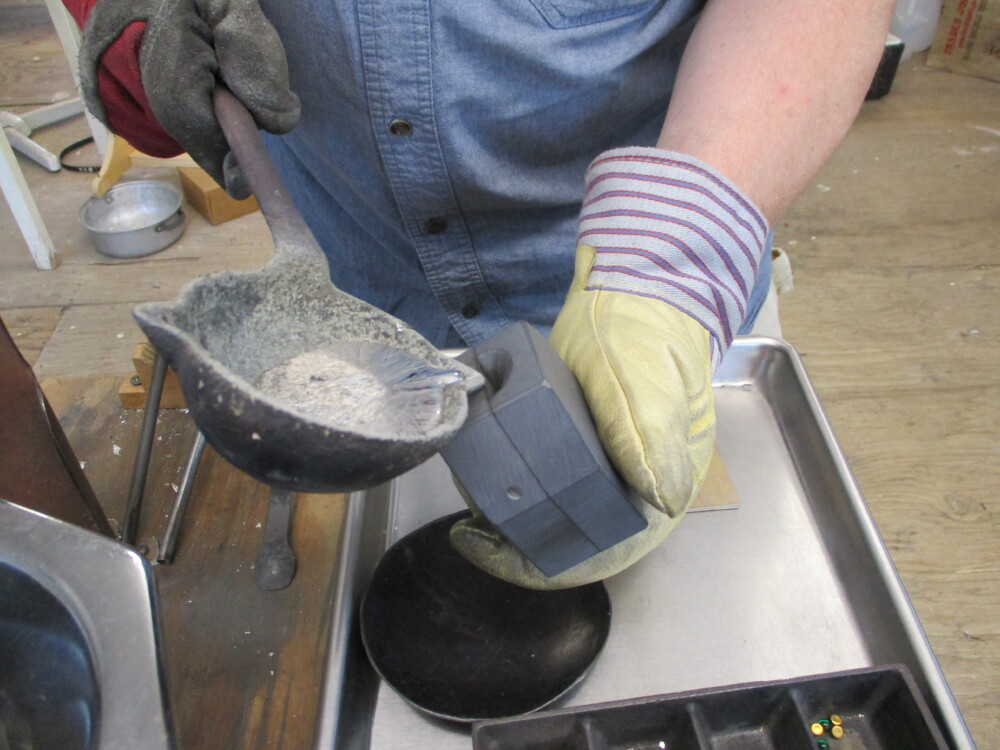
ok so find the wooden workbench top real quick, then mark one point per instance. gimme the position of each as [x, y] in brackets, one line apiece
[244, 666]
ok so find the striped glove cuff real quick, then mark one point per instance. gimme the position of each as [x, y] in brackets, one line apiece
[668, 226]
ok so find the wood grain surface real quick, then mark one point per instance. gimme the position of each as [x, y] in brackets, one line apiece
[896, 252]
[244, 666]
[90, 340]
[31, 328]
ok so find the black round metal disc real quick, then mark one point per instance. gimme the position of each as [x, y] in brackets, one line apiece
[463, 645]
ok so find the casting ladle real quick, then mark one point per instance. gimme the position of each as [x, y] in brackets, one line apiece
[225, 330]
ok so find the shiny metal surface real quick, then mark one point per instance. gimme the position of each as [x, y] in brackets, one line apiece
[130, 522]
[107, 591]
[796, 581]
[48, 686]
[171, 535]
[134, 218]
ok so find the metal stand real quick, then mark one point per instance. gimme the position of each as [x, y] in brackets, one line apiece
[130, 521]
[133, 506]
[169, 545]
[275, 565]
[275, 562]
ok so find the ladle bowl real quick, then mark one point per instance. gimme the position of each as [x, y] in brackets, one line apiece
[226, 329]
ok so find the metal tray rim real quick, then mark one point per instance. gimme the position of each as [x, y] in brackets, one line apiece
[902, 603]
[745, 353]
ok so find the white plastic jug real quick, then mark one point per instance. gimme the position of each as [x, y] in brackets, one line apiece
[915, 22]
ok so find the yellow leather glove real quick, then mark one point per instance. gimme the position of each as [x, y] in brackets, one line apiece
[643, 329]
[645, 369]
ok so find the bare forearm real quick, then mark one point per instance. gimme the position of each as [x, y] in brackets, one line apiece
[767, 89]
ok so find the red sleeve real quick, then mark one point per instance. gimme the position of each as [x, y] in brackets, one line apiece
[79, 9]
[119, 87]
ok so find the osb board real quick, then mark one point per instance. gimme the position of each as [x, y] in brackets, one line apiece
[913, 186]
[244, 666]
[87, 277]
[31, 328]
[929, 466]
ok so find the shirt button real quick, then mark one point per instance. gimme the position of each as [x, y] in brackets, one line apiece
[400, 127]
[435, 226]
[471, 310]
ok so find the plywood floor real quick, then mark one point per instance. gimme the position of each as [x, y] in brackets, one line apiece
[896, 251]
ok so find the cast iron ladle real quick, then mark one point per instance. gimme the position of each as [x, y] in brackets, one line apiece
[225, 329]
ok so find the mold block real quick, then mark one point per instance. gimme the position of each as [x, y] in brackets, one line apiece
[530, 459]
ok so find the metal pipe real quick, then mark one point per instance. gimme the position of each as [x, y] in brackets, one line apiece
[166, 555]
[130, 521]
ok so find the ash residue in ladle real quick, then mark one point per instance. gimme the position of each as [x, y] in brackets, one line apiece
[361, 387]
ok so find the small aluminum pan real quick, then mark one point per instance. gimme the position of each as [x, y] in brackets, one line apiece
[134, 219]
[795, 581]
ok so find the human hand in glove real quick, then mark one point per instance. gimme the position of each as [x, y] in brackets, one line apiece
[148, 69]
[668, 255]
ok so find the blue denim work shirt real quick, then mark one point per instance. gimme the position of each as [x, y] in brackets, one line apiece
[442, 147]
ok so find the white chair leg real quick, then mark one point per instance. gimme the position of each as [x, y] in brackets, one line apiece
[69, 37]
[32, 150]
[52, 113]
[18, 129]
[22, 205]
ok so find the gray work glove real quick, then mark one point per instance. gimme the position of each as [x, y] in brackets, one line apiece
[186, 48]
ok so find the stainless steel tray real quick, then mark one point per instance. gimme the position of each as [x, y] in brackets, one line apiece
[796, 581]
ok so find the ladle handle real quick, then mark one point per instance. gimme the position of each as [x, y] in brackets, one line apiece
[287, 225]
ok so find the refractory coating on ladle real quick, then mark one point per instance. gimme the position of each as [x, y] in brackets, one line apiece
[225, 331]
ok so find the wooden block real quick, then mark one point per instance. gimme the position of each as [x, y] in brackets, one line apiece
[132, 395]
[210, 200]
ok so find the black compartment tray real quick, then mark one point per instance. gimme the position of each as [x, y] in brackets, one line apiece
[880, 708]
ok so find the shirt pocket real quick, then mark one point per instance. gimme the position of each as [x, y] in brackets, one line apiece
[567, 14]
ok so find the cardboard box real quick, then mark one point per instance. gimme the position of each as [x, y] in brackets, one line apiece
[210, 200]
[968, 38]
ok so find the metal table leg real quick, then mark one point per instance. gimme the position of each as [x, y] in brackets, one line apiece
[169, 545]
[130, 520]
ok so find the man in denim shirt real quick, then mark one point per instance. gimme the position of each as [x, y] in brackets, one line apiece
[453, 156]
